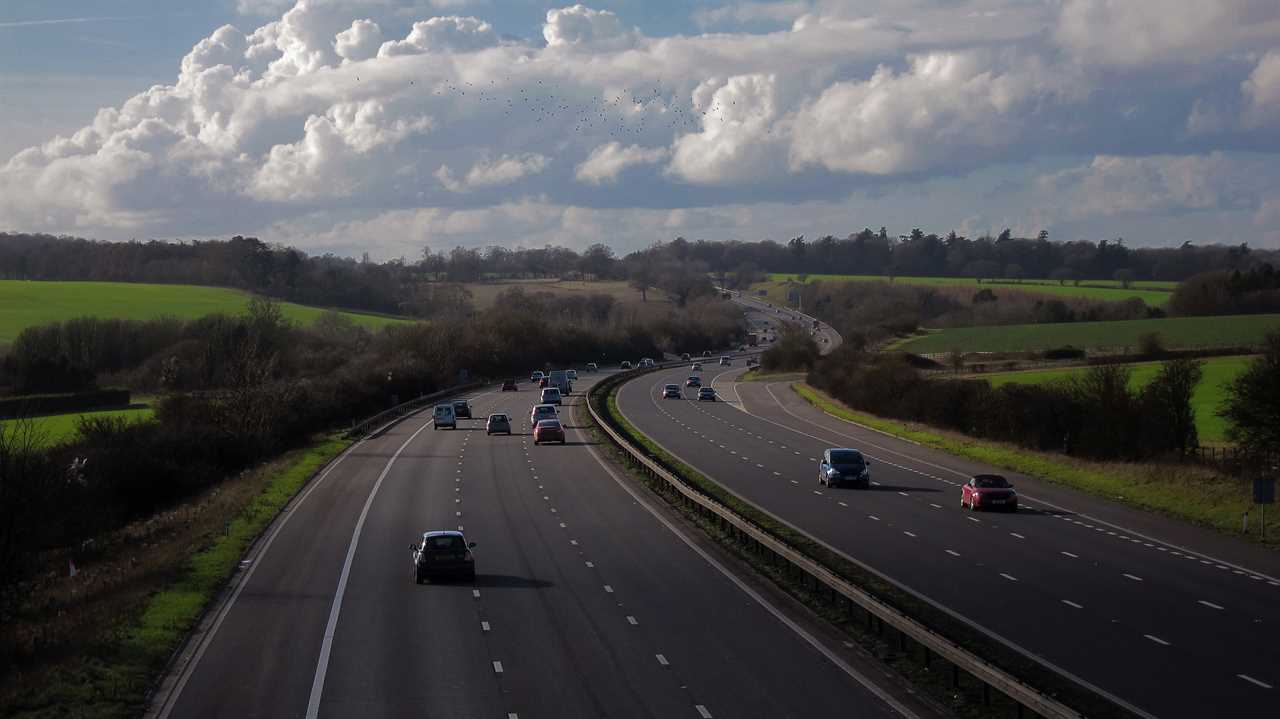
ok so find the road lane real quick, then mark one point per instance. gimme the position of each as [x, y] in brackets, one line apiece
[908, 528]
[579, 590]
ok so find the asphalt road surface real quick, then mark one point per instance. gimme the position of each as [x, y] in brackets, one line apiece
[1176, 621]
[586, 603]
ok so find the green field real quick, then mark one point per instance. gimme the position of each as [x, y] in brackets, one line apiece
[1178, 332]
[1151, 292]
[1218, 373]
[23, 304]
[55, 428]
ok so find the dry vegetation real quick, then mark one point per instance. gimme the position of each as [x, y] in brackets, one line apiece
[484, 294]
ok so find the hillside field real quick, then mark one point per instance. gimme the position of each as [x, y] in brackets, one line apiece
[55, 428]
[1178, 332]
[485, 294]
[24, 303]
[1152, 292]
[1218, 373]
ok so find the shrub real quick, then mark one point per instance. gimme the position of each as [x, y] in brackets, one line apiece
[1151, 344]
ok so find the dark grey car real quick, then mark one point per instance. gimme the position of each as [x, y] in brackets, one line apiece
[443, 553]
[843, 466]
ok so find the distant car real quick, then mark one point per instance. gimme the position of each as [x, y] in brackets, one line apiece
[706, 353]
[551, 395]
[509, 385]
[625, 365]
[443, 553]
[684, 357]
[742, 348]
[461, 409]
[725, 361]
[443, 416]
[752, 362]
[989, 491]
[697, 367]
[571, 373]
[693, 382]
[544, 382]
[497, 424]
[592, 367]
[541, 412]
[548, 430]
[671, 391]
[706, 394]
[536, 376]
[843, 466]
[646, 362]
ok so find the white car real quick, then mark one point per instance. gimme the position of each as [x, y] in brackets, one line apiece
[592, 367]
[551, 395]
[572, 374]
[697, 367]
[542, 411]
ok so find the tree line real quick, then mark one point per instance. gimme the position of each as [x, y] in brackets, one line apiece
[397, 286]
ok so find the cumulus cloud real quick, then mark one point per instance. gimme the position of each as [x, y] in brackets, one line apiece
[584, 28]
[443, 34]
[358, 42]
[944, 110]
[1128, 33]
[324, 108]
[1262, 91]
[1112, 185]
[606, 162]
[488, 173]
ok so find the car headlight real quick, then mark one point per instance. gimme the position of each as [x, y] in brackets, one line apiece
[833, 472]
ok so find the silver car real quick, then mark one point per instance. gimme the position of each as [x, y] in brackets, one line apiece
[497, 424]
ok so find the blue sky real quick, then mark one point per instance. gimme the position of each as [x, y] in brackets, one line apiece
[346, 125]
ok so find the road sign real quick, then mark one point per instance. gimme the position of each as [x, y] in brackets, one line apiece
[1264, 490]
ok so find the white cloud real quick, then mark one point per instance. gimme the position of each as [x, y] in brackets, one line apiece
[737, 143]
[359, 42]
[489, 173]
[584, 28]
[743, 13]
[317, 114]
[443, 34]
[1112, 185]
[607, 161]
[1135, 33]
[946, 109]
[1262, 91]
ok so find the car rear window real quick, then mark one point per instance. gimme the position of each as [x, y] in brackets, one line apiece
[498, 417]
[447, 542]
[846, 457]
[549, 424]
[991, 481]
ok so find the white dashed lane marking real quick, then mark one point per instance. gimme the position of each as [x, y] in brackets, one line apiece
[1010, 577]
[497, 667]
[1157, 640]
[1253, 681]
[1070, 603]
[702, 711]
[1130, 576]
[1210, 605]
[952, 552]
[662, 660]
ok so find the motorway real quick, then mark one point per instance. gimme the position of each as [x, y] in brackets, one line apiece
[589, 600]
[1175, 621]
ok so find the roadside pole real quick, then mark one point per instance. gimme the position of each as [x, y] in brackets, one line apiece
[1264, 493]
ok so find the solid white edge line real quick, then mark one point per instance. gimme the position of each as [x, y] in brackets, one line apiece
[205, 641]
[822, 649]
[326, 646]
[1251, 680]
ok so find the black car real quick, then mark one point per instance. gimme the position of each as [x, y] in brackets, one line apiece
[840, 466]
[443, 553]
[461, 408]
[509, 385]
[706, 394]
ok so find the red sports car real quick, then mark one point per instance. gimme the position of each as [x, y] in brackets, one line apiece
[989, 491]
[548, 430]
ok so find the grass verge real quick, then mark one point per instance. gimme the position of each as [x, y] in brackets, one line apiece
[962, 702]
[1188, 492]
[93, 645]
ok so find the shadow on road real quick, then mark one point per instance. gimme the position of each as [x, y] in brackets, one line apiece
[509, 581]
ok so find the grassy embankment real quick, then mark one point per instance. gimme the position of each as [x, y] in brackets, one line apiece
[1209, 394]
[55, 428]
[1188, 492]
[23, 304]
[485, 294]
[92, 645]
[1177, 332]
[1153, 293]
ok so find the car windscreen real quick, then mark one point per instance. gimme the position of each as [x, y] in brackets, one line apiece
[991, 481]
[847, 457]
[549, 424]
[497, 418]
